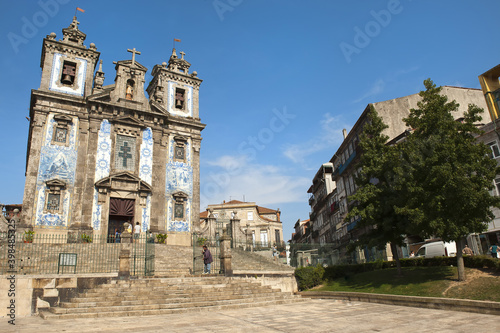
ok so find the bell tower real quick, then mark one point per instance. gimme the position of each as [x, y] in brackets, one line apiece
[174, 88]
[68, 65]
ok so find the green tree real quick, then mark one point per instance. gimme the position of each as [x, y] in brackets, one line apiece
[380, 190]
[448, 172]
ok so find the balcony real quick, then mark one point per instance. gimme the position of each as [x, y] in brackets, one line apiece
[344, 166]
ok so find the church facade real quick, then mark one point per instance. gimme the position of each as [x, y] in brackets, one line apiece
[99, 156]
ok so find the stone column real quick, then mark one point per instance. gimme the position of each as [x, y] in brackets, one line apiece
[81, 169]
[160, 150]
[235, 230]
[35, 142]
[124, 269]
[88, 188]
[225, 255]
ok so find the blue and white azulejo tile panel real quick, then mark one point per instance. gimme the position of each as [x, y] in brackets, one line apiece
[146, 214]
[103, 155]
[57, 162]
[146, 158]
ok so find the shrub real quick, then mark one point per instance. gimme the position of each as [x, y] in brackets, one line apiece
[161, 238]
[310, 276]
[339, 271]
[201, 241]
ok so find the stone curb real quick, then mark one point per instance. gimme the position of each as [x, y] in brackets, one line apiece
[453, 304]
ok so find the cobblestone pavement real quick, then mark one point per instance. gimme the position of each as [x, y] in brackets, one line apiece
[309, 316]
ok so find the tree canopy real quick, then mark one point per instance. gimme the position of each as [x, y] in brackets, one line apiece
[435, 183]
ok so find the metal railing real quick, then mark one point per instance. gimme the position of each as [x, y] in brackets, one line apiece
[40, 254]
[311, 254]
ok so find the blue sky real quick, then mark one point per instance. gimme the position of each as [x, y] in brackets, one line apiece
[282, 78]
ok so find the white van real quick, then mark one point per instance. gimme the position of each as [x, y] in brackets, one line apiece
[437, 249]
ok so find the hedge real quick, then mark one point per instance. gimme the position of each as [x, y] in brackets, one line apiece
[308, 277]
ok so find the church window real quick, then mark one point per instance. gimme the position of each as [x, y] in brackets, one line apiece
[179, 210]
[53, 201]
[179, 206]
[61, 128]
[179, 152]
[179, 98]
[180, 149]
[60, 134]
[53, 195]
[125, 153]
[68, 73]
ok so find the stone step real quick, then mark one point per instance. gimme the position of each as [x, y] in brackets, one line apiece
[165, 303]
[49, 315]
[160, 295]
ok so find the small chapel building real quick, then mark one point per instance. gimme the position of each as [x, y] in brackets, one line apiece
[247, 223]
[99, 156]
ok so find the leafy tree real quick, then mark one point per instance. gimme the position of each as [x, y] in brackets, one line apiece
[448, 172]
[380, 190]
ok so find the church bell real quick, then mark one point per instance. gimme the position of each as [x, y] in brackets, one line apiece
[67, 79]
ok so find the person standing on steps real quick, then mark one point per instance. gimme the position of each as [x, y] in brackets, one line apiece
[117, 235]
[137, 231]
[207, 259]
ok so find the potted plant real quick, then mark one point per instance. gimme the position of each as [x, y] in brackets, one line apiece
[86, 238]
[28, 236]
[201, 241]
[162, 238]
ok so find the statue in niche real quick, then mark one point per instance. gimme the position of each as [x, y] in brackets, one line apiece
[129, 92]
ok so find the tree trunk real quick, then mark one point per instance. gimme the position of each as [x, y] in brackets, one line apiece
[395, 256]
[460, 260]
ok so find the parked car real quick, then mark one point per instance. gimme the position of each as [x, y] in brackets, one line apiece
[437, 249]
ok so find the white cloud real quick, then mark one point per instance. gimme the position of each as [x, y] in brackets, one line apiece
[379, 85]
[265, 184]
[376, 89]
[329, 137]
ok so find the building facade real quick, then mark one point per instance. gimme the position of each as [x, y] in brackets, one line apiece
[247, 222]
[328, 214]
[99, 156]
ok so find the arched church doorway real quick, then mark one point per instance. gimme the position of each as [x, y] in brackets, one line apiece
[120, 211]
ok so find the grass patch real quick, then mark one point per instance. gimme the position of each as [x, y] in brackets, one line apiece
[438, 281]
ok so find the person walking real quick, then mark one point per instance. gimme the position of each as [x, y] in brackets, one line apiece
[207, 259]
[494, 251]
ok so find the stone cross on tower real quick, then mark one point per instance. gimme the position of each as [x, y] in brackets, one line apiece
[182, 54]
[133, 51]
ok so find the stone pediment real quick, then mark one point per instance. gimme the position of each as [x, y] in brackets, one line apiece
[125, 181]
[128, 63]
[127, 120]
[103, 96]
[55, 183]
[63, 118]
[156, 107]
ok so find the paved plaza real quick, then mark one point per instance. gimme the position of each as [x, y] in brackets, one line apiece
[309, 316]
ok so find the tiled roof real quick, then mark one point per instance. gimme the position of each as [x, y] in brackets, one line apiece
[204, 214]
[234, 202]
[264, 210]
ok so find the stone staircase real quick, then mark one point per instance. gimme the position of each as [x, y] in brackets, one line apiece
[177, 261]
[157, 296]
[173, 261]
[253, 262]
